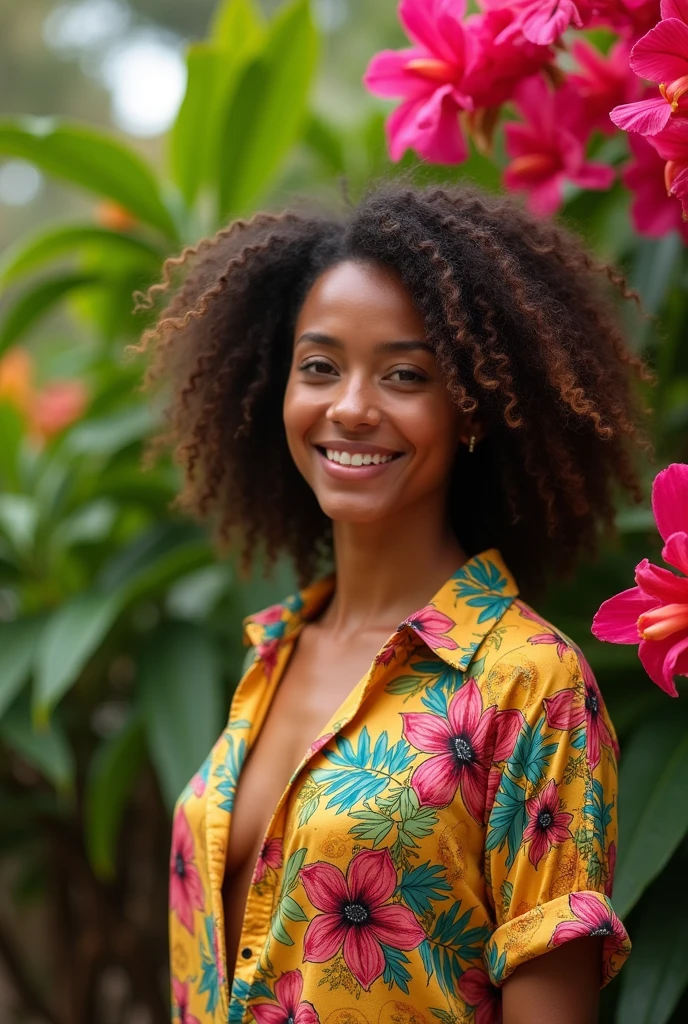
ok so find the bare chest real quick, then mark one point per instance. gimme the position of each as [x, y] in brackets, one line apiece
[315, 683]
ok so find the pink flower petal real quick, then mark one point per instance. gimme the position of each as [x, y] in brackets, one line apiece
[465, 709]
[508, 724]
[396, 926]
[268, 1013]
[563, 710]
[567, 931]
[653, 655]
[325, 886]
[474, 986]
[662, 584]
[182, 838]
[616, 621]
[288, 990]
[431, 129]
[645, 116]
[662, 53]
[387, 75]
[674, 9]
[596, 176]
[591, 910]
[493, 780]
[473, 785]
[371, 877]
[670, 498]
[306, 1014]
[436, 781]
[421, 20]
[539, 846]
[426, 732]
[324, 937]
[363, 956]
[546, 20]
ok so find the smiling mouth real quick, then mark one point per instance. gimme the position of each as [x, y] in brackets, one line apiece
[357, 458]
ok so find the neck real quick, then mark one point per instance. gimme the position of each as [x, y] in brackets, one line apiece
[387, 570]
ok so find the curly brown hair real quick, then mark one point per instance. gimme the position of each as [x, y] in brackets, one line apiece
[525, 331]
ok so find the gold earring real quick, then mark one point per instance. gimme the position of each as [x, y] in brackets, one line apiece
[471, 444]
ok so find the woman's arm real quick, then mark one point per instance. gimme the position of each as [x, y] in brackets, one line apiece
[560, 987]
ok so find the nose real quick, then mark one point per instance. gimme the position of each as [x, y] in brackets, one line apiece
[354, 404]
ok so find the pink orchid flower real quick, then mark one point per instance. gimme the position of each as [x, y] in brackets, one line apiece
[289, 1009]
[477, 991]
[572, 707]
[357, 915]
[603, 82]
[428, 77]
[661, 56]
[654, 212]
[501, 58]
[186, 891]
[547, 150]
[654, 614]
[547, 825]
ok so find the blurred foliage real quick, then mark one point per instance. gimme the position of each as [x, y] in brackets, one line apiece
[119, 627]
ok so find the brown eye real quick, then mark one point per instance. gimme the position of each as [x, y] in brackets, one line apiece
[406, 376]
[317, 367]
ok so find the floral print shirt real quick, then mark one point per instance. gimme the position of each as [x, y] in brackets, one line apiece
[455, 818]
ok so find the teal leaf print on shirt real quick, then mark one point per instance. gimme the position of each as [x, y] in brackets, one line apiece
[480, 582]
[210, 980]
[496, 963]
[451, 942]
[360, 774]
[228, 772]
[287, 908]
[599, 811]
[531, 753]
[507, 820]
[395, 972]
[421, 885]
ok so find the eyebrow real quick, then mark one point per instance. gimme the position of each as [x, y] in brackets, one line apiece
[383, 346]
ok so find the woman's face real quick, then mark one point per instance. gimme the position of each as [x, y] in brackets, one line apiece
[368, 419]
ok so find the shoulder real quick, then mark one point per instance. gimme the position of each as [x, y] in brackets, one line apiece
[526, 660]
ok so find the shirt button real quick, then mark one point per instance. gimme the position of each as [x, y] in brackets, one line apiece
[246, 953]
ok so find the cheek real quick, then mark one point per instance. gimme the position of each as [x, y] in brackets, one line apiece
[436, 432]
[300, 414]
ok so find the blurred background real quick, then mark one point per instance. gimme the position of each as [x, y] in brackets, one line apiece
[129, 128]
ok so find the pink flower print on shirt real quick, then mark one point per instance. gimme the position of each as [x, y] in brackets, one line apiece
[289, 1009]
[465, 744]
[186, 891]
[357, 916]
[180, 1000]
[547, 825]
[270, 856]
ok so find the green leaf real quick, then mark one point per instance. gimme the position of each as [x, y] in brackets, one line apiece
[236, 23]
[291, 871]
[653, 803]
[18, 641]
[279, 931]
[374, 826]
[657, 976]
[32, 252]
[12, 427]
[181, 701]
[91, 159]
[212, 71]
[112, 774]
[291, 909]
[508, 819]
[45, 749]
[265, 113]
[71, 636]
[155, 559]
[34, 302]
[109, 434]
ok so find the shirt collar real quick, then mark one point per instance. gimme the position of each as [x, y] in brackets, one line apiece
[453, 624]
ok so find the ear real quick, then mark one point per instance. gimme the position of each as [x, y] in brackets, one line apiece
[473, 426]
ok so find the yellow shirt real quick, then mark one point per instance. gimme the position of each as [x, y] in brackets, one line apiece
[455, 818]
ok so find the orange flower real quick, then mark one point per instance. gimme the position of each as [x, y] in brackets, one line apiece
[56, 406]
[114, 216]
[16, 378]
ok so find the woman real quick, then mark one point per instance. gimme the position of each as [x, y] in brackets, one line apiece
[411, 814]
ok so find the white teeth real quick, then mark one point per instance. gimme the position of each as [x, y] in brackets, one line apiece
[357, 459]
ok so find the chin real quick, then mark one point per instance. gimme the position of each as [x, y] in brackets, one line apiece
[351, 512]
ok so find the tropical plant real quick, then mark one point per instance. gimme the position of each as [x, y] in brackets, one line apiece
[119, 626]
